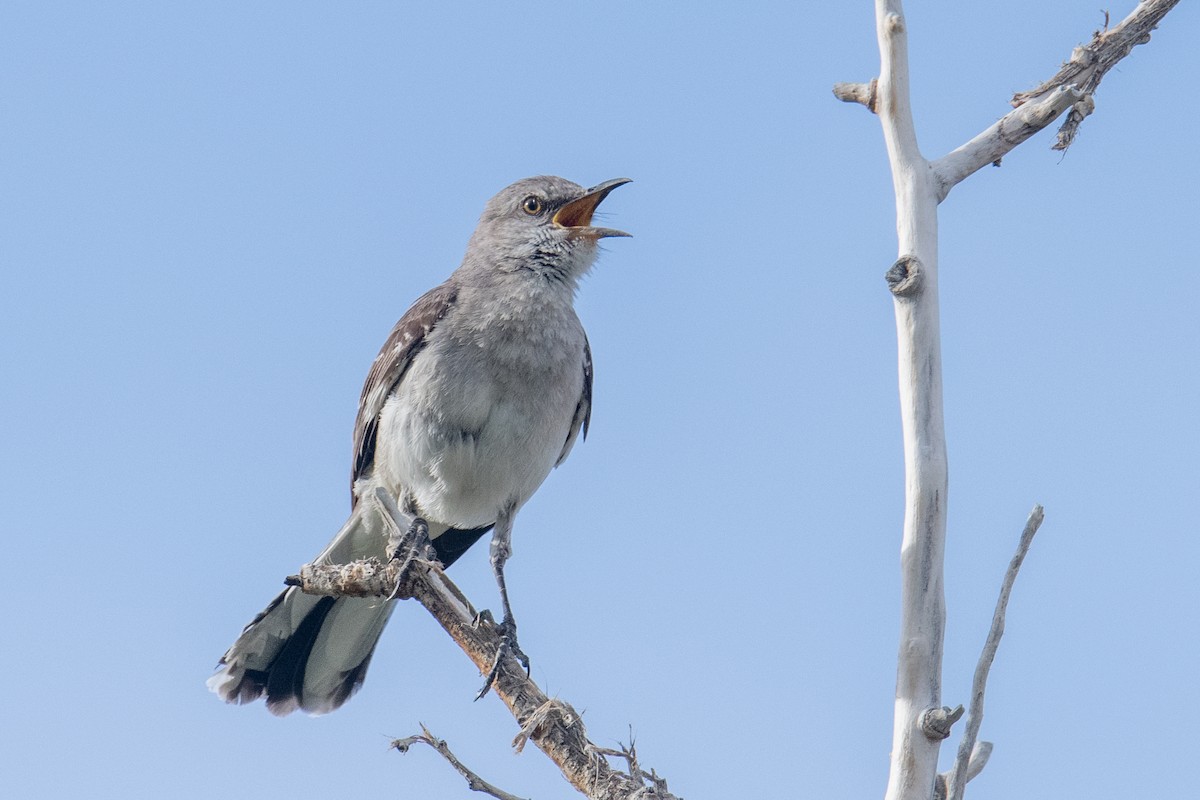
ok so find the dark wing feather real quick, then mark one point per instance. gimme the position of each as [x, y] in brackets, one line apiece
[583, 410]
[404, 342]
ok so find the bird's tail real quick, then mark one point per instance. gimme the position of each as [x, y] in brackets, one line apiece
[306, 652]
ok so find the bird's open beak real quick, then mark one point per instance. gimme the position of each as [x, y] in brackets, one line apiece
[577, 214]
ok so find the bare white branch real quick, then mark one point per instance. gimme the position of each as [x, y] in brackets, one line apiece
[1071, 89]
[966, 750]
[995, 142]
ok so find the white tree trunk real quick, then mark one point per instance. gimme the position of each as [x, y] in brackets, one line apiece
[914, 285]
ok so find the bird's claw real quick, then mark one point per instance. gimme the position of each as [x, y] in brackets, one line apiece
[414, 545]
[414, 542]
[508, 648]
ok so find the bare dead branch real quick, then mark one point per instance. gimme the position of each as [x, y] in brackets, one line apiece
[959, 777]
[552, 725]
[367, 578]
[864, 93]
[1011, 130]
[653, 785]
[474, 782]
[1091, 62]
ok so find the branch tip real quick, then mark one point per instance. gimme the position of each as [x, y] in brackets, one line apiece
[862, 93]
[1090, 62]
[979, 758]
[968, 750]
[474, 782]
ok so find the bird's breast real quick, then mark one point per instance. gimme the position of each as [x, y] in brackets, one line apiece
[477, 425]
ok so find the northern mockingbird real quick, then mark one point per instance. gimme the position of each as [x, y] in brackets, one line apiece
[481, 389]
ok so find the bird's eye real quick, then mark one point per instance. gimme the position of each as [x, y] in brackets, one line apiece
[532, 205]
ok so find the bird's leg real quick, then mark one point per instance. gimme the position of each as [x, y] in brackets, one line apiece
[501, 549]
[415, 540]
[409, 547]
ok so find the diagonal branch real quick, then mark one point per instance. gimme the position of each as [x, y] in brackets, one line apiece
[958, 778]
[1072, 87]
[1091, 62]
[1011, 130]
[551, 724]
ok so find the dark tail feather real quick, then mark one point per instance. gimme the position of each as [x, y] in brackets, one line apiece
[306, 652]
[315, 665]
[311, 653]
[285, 676]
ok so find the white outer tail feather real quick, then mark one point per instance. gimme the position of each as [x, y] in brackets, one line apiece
[336, 664]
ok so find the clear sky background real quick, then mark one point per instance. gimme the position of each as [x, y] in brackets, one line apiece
[211, 215]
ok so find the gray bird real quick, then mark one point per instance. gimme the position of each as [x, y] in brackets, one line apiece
[481, 389]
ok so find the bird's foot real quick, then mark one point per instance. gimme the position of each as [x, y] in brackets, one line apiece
[413, 542]
[508, 648]
[413, 546]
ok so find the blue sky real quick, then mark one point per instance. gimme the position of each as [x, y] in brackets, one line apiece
[213, 214]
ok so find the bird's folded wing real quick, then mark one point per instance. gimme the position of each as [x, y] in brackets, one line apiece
[405, 341]
[583, 411]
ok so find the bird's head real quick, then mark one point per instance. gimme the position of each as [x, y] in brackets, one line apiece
[542, 225]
